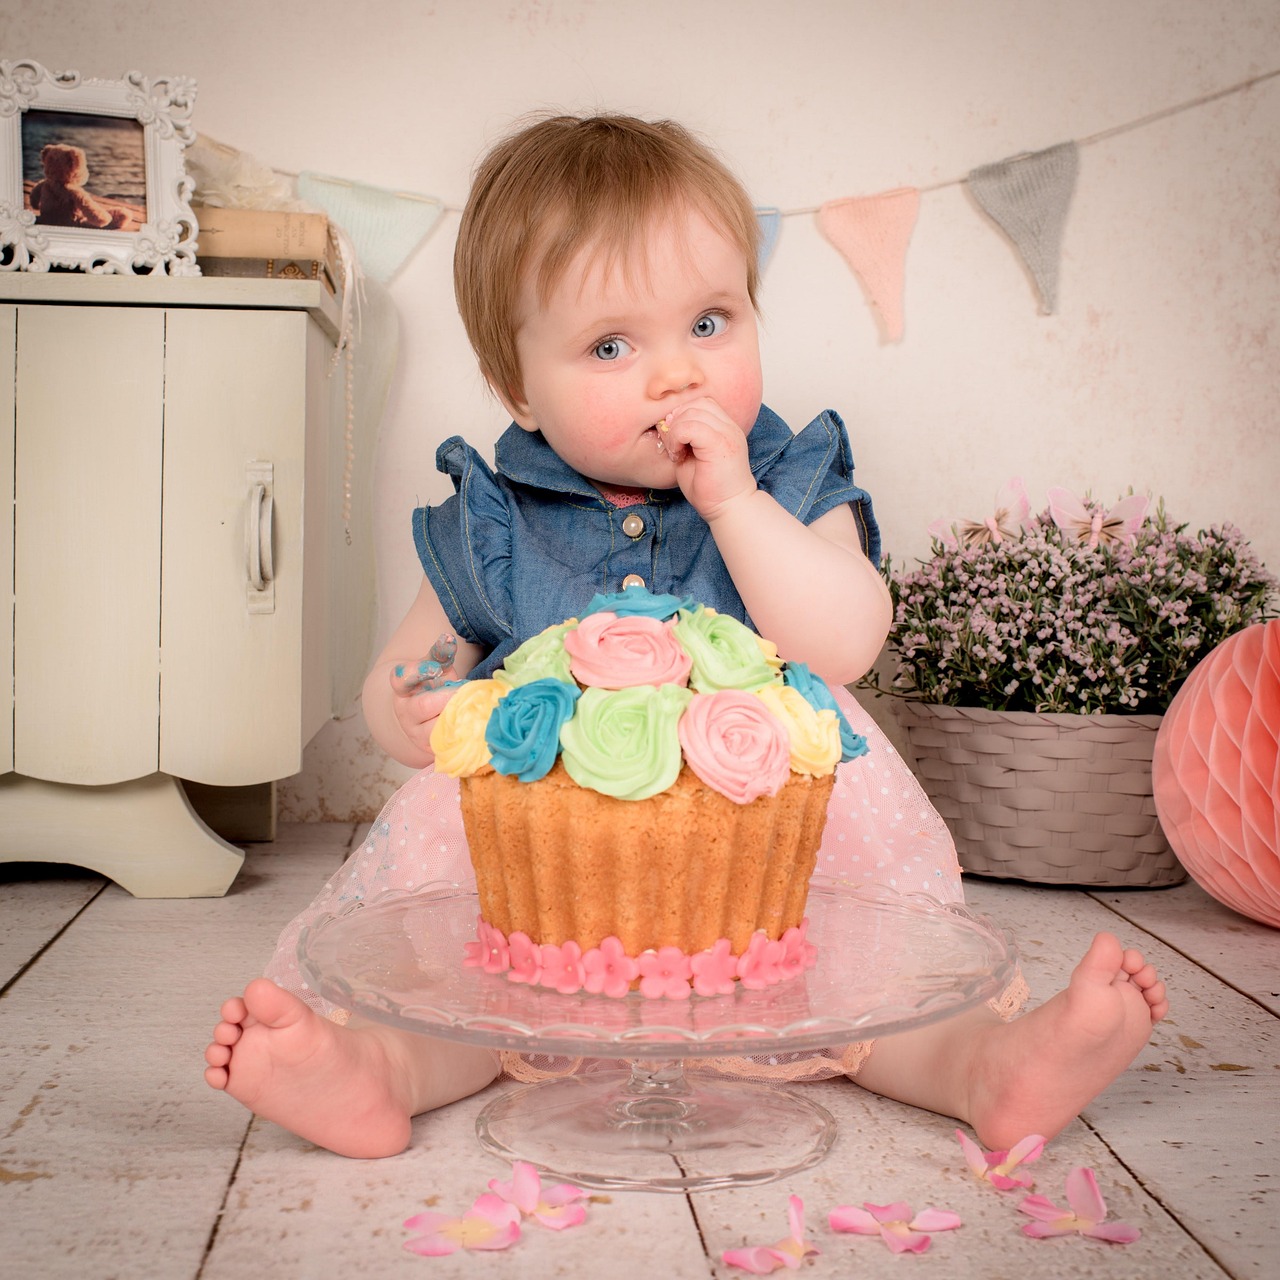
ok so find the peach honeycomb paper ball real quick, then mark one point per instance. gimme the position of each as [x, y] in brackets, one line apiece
[1216, 773]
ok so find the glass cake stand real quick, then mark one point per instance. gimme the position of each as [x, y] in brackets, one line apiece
[887, 962]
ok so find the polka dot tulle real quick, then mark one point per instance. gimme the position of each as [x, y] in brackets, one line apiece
[881, 829]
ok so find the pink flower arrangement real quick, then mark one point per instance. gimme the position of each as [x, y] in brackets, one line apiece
[1079, 609]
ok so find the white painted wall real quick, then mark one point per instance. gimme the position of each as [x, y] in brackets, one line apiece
[1160, 369]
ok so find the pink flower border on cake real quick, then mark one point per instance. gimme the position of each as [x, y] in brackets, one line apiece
[667, 973]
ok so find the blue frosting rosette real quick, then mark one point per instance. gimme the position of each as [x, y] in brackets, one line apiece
[523, 732]
[636, 602]
[815, 692]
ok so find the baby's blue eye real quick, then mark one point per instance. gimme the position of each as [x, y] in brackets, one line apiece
[710, 325]
[611, 349]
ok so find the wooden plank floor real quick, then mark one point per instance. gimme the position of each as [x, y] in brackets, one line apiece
[117, 1161]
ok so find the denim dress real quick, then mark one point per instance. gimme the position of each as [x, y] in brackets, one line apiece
[525, 545]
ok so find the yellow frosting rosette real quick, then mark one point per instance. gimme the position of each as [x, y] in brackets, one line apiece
[458, 738]
[815, 735]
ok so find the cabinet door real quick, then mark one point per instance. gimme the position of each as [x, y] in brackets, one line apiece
[231, 651]
[89, 389]
[8, 340]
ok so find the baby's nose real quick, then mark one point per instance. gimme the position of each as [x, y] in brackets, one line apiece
[674, 374]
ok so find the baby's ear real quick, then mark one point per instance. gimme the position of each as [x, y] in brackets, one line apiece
[515, 405]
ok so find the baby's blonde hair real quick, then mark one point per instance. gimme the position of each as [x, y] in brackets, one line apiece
[566, 182]
[64, 163]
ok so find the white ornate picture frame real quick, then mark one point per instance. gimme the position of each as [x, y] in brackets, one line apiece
[92, 174]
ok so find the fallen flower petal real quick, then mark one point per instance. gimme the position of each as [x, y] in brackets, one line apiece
[1085, 1216]
[789, 1253]
[996, 1167]
[894, 1224]
[555, 1207]
[490, 1223]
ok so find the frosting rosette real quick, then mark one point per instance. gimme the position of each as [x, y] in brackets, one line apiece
[611, 652]
[637, 602]
[624, 742]
[458, 738]
[523, 732]
[817, 693]
[735, 745]
[814, 734]
[726, 654]
[541, 657]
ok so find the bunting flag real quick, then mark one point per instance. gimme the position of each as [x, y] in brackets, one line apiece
[385, 226]
[1027, 197]
[872, 233]
[770, 220]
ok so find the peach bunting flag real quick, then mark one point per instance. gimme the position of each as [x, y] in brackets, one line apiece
[872, 233]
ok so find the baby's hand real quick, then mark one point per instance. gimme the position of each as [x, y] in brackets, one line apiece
[419, 698]
[710, 453]
[409, 678]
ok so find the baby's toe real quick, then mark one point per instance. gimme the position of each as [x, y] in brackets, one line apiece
[233, 1010]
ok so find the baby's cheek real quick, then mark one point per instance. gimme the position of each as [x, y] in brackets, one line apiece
[741, 398]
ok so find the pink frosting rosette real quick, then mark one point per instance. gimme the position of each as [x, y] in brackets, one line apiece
[733, 743]
[611, 652]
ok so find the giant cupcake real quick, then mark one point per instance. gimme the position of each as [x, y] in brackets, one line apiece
[644, 790]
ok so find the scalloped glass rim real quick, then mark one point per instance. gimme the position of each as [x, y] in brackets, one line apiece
[886, 962]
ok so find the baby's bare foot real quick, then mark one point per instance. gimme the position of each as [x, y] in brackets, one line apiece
[334, 1086]
[1035, 1074]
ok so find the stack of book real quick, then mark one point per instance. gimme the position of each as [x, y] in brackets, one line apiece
[267, 244]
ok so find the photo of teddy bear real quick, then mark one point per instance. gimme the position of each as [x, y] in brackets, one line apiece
[83, 171]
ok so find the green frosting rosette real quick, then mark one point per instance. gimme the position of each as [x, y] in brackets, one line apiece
[541, 657]
[726, 654]
[624, 742]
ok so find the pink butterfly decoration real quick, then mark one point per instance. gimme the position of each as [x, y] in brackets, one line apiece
[1094, 525]
[1010, 518]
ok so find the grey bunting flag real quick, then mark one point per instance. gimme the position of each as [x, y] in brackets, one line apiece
[1027, 196]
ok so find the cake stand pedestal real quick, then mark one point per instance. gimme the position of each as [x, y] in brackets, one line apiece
[887, 963]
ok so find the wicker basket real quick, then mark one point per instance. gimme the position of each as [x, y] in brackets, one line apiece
[1055, 799]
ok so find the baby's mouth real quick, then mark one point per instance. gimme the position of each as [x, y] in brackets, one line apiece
[660, 430]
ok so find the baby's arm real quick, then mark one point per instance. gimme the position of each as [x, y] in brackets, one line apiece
[809, 588]
[400, 720]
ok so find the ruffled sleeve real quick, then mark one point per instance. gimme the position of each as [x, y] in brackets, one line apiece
[464, 545]
[813, 473]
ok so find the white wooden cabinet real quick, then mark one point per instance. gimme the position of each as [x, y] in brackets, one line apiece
[184, 601]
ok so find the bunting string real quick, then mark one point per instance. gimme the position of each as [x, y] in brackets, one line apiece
[1103, 135]
[1026, 196]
